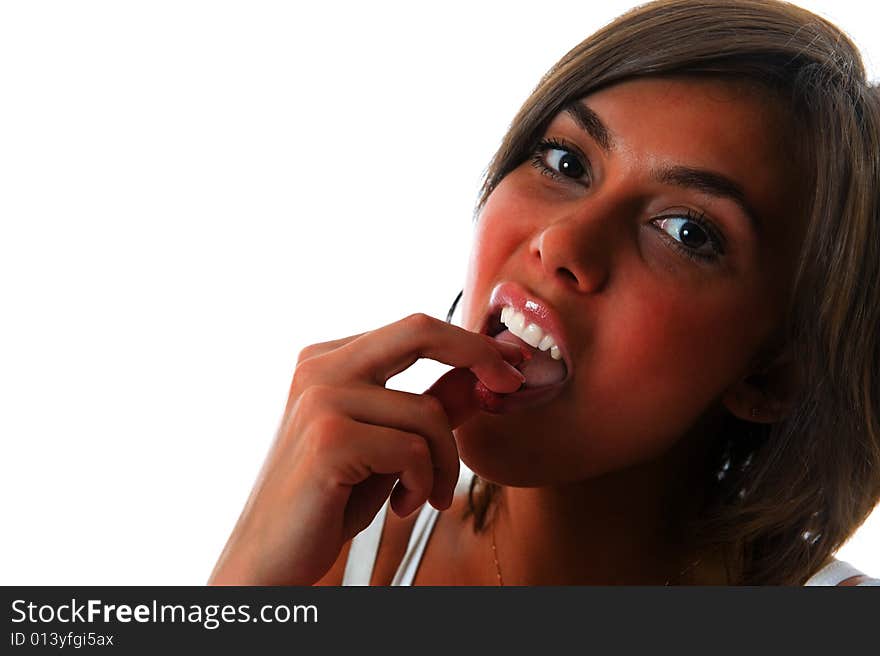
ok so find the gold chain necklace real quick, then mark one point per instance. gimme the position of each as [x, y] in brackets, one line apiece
[501, 579]
[495, 556]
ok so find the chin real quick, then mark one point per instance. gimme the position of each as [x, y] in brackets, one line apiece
[492, 448]
[513, 450]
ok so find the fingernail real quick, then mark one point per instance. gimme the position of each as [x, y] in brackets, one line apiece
[516, 372]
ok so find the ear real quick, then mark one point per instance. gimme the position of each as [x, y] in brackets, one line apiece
[764, 395]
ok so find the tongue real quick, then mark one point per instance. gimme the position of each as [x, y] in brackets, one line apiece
[540, 369]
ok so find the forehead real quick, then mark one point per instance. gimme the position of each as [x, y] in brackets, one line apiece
[712, 123]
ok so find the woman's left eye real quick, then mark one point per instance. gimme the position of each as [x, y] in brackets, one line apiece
[560, 161]
[692, 235]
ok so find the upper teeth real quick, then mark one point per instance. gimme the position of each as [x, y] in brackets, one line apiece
[532, 334]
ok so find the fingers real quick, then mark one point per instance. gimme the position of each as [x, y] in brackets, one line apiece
[321, 348]
[418, 414]
[378, 355]
[456, 392]
[369, 450]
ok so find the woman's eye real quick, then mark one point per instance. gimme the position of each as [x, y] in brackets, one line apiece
[693, 236]
[564, 162]
[559, 161]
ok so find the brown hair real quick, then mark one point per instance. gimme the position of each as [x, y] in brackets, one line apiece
[783, 497]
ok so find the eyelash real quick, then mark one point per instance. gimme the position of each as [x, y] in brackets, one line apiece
[697, 218]
[557, 144]
[717, 242]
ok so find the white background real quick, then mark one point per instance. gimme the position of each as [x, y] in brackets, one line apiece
[191, 192]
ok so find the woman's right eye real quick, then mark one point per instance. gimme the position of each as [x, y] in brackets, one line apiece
[559, 160]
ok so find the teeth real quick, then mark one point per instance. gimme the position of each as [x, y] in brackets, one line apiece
[546, 343]
[517, 323]
[532, 334]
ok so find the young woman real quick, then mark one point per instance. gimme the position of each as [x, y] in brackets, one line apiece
[668, 370]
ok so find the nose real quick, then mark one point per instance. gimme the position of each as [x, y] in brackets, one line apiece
[573, 251]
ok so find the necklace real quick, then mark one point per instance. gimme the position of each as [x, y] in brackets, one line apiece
[495, 556]
[501, 579]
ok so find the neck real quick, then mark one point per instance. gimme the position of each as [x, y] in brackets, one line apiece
[622, 528]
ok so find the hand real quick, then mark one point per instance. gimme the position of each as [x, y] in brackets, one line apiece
[346, 440]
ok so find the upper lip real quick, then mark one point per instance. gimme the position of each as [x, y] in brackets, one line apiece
[535, 310]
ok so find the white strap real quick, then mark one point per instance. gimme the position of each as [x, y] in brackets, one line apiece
[363, 550]
[406, 572]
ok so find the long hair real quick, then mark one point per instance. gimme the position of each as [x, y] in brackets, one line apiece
[782, 497]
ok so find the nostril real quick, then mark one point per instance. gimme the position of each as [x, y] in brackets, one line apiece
[568, 274]
[557, 252]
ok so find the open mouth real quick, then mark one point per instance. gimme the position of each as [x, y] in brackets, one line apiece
[544, 363]
[518, 320]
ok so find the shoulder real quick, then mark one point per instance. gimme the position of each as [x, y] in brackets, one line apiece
[861, 579]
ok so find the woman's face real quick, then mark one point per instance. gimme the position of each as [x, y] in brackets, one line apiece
[661, 228]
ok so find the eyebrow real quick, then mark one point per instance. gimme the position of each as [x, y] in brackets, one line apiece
[590, 123]
[705, 181]
[710, 183]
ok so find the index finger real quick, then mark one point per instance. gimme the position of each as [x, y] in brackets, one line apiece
[321, 348]
[380, 354]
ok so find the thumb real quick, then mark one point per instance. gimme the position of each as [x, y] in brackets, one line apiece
[457, 392]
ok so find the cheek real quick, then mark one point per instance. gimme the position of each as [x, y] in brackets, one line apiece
[676, 359]
[500, 230]
[657, 367]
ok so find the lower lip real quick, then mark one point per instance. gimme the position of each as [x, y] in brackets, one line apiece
[502, 404]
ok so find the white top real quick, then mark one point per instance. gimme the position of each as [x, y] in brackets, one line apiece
[837, 571]
[365, 546]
